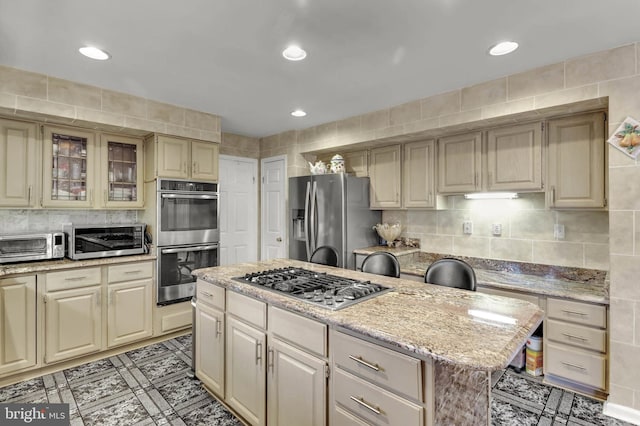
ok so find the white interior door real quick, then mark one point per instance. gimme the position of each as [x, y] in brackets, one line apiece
[274, 178]
[238, 210]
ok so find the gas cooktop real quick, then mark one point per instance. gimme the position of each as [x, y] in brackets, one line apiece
[319, 288]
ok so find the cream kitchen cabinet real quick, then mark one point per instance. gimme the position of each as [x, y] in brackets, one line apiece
[576, 162]
[121, 172]
[419, 176]
[357, 163]
[68, 167]
[460, 163]
[210, 336]
[385, 176]
[245, 357]
[73, 313]
[19, 163]
[185, 158]
[129, 302]
[375, 385]
[17, 324]
[296, 370]
[514, 158]
[575, 345]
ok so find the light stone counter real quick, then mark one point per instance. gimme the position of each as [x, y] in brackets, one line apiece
[425, 320]
[62, 264]
[587, 285]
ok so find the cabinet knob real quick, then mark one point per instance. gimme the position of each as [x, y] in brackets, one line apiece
[279, 239]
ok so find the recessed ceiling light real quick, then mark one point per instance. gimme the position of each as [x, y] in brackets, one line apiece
[298, 113]
[503, 48]
[94, 53]
[294, 53]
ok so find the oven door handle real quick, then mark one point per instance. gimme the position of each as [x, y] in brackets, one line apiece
[190, 196]
[180, 250]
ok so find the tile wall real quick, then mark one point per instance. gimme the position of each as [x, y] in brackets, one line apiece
[527, 231]
[15, 221]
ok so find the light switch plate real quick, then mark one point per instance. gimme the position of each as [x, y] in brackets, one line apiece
[558, 231]
[467, 227]
[496, 229]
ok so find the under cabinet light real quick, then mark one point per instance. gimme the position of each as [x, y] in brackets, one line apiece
[491, 196]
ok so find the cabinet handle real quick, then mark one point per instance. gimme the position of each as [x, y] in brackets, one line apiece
[137, 271]
[195, 169]
[218, 327]
[571, 336]
[29, 196]
[365, 404]
[359, 360]
[553, 195]
[204, 293]
[582, 314]
[75, 278]
[258, 352]
[184, 165]
[105, 196]
[270, 355]
[577, 367]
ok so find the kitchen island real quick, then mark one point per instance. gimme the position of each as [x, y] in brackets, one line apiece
[458, 337]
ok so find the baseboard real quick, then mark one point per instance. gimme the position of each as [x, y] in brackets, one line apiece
[621, 412]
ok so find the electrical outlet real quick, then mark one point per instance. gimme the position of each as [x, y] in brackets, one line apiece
[558, 231]
[467, 227]
[496, 229]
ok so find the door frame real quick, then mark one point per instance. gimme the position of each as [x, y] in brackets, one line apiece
[263, 213]
[256, 190]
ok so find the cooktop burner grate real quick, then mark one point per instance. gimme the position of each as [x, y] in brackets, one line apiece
[319, 288]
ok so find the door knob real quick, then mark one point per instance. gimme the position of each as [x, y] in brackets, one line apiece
[279, 239]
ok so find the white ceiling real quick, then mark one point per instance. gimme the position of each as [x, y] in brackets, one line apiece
[224, 56]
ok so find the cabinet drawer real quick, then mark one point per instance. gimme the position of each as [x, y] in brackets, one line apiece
[576, 365]
[373, 403]
[249, 310]
[580, 313]
[301, 331]
[73, 278]
[345, 418]
[129, 272]
[393, 370]
[210, 294]
[577, 335]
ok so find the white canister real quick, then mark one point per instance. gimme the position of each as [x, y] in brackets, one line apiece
[337, 164]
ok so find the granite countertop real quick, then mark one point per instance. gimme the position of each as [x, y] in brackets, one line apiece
[425, 320]
[62, 264]
[582, 284]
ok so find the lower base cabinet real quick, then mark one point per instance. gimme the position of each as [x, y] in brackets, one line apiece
[17, 324]
[297, 386]
[245, 371]
[129, 312]
[209, 341]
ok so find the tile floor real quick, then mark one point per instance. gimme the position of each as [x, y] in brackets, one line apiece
[149, 386]
[146, 386]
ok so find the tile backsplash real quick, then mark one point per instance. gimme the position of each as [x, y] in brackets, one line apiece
[527, 231]
[16, 221]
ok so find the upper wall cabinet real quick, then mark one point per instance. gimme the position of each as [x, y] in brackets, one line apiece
[576, 162]
[19, 163]
[514, 158]
[460, 163]
[121, 171]
[418, 180]
[186, 159]
[357, 163]
[385, 176]
[68, 167]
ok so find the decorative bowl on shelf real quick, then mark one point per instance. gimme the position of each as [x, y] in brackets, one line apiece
[388, 232]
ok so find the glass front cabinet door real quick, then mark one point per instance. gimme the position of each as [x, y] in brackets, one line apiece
[121, 171]
[68, 167]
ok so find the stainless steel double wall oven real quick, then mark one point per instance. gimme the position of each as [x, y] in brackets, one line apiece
[187, 235]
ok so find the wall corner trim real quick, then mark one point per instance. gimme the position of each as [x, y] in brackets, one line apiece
[621, 412]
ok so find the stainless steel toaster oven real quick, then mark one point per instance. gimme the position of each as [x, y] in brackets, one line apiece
[95, 241]
[29, 247]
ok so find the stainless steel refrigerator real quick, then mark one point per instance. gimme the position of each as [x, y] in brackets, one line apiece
[331, 209]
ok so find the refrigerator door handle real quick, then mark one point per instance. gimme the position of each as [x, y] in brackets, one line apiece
[307, 221]
[314, 217]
